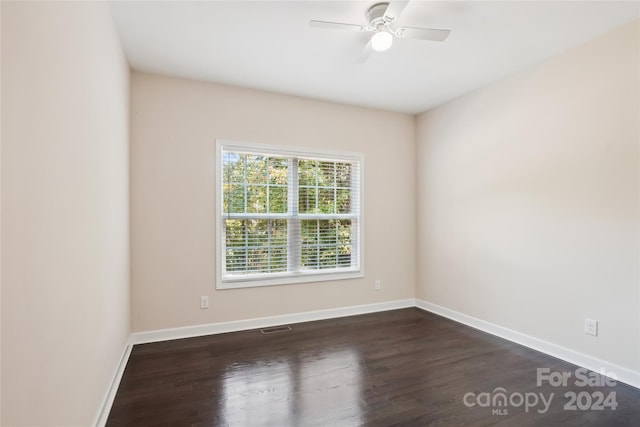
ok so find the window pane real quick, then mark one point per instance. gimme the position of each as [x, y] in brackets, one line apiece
[233, 198]
[256, 169]
[310, 248]
[310, 258]
[344, 232]
[327, 232]
[309, 232]
[343, 201]
[344, 243]
[278, 232]
[256, 198]
[277, 199]
[307, 172]
[236, 260]
[343, 175]
[233, 168]
[307, 200]
[235, 233]
[326, 202]
[326, 174]
[327, 257]
[278, 259]
[278, 171]
[235, 245]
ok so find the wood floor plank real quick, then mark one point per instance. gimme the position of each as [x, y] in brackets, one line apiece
[397, 368]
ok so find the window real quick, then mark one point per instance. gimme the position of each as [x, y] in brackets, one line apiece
[286, 216]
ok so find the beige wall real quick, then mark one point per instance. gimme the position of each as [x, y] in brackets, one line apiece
[174, 125]
[528, 200]
[65, 259]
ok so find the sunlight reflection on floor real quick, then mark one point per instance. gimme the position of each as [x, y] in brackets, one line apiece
[277, 392]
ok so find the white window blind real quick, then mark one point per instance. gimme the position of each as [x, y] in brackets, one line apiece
[287, 216]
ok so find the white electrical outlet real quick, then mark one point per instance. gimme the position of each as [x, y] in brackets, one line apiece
[377, 285]
[204, 302]
[591, 327]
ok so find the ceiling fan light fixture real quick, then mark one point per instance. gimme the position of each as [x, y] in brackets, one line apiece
[381, 41]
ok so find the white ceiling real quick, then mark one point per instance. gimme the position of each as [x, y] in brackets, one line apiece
[268, 45]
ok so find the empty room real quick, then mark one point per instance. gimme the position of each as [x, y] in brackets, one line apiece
[320, 213]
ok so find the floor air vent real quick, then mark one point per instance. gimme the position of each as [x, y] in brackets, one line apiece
[275, 329]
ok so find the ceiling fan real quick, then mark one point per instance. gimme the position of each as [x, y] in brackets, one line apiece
[381, 17]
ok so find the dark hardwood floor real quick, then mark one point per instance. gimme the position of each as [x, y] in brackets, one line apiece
[396, 368]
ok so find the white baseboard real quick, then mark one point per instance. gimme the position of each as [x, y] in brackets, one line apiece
[622, 374]
[264, 322]
[110, 395]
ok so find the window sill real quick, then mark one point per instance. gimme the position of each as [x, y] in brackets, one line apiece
[289, 279]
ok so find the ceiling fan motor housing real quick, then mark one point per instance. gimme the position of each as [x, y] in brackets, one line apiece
[375, 14]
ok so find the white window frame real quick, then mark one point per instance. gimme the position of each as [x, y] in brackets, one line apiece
[271, 279]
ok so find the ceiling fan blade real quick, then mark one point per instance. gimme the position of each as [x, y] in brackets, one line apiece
[337, 26]
[430, 34]
[365, 54]
[395, 8]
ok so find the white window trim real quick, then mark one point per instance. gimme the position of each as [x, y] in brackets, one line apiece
[274, 279]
